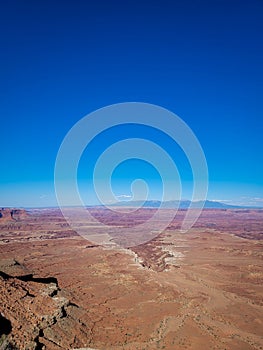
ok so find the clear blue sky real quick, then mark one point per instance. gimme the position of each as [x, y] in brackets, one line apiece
[61, 60]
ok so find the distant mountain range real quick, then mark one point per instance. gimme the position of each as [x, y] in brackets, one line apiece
[183, 204]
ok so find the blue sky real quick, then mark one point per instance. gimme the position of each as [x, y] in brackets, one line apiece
[60, 60]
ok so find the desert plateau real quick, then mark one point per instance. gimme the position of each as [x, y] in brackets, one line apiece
[196, 290]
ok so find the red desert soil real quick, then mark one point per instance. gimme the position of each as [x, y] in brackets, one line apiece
[198, 290]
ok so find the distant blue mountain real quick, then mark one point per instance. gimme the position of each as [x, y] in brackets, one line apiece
[183, 204]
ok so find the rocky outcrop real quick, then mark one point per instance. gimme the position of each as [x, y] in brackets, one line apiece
[9, 214]
[36, 313]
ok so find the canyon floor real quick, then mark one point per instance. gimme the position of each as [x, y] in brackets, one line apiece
[197, 290]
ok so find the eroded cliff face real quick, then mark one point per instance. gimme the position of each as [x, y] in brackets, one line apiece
[10, 214]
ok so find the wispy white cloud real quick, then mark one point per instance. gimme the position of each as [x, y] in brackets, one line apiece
[124, 196]
[42, 196]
